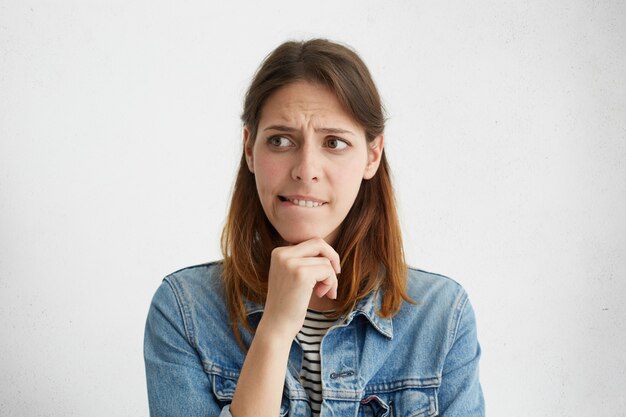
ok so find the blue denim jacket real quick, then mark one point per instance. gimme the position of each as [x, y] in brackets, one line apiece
[422, 362]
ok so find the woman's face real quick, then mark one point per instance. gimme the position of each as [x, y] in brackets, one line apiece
[309, 158]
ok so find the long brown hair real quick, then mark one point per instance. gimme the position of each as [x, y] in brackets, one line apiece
[369, 242]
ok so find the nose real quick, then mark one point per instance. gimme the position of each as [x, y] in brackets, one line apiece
[307, 166]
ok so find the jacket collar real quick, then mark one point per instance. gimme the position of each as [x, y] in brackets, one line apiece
[367, 306]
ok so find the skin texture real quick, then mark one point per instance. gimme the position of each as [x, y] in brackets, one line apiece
[297, 154]
[307, 148]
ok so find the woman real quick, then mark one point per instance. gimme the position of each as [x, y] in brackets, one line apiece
[313, 310]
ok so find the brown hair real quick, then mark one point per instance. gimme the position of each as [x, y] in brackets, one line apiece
[369, 242]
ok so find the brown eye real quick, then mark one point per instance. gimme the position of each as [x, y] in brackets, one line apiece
[279, 141]
[336, 143]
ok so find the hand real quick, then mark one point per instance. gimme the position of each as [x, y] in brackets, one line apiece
[296, 272]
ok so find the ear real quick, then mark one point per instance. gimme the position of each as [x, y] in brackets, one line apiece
[374, 155]
[247, 149]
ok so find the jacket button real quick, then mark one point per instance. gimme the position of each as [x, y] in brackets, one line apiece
[341, 374]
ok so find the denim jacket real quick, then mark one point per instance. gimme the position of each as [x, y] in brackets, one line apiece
[421, 362]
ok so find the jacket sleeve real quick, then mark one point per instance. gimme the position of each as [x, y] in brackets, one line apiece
[177, 383]
[460, 393]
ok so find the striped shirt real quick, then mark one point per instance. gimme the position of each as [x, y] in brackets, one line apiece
[316, 324]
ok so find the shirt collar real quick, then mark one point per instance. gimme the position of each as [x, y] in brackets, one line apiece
[367, 306]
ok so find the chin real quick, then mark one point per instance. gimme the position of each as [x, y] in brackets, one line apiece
[294, 239]
[303, 235]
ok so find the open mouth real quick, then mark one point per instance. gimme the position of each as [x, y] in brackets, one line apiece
[302, 203]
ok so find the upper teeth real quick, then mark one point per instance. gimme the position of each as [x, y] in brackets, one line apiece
[305, 203]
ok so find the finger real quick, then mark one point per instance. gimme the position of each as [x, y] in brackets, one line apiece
[322, 289]
[313, 261]
[326, 281]
[317, 247]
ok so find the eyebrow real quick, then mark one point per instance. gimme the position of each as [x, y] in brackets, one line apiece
[331, 130]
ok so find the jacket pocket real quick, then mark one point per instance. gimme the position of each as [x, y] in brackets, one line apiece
[406, 402]
[374, 406]
[224, 390]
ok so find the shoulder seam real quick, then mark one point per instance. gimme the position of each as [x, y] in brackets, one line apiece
[452, 280]
[184, 313]
[412, 268]
[205, 264]
[458, 314]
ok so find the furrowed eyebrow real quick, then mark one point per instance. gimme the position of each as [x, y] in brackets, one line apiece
[280, 128]
[331, 130]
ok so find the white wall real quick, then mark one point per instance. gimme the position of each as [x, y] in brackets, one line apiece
[119, 137]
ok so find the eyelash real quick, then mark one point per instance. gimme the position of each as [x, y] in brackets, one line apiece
[338, 140]
[271, 139]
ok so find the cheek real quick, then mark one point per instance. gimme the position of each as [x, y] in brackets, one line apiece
[267, 174]
[348, 180]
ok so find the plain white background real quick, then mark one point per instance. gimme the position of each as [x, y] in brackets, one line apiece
[120, 136]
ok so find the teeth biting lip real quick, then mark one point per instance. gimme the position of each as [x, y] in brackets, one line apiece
[301, 202]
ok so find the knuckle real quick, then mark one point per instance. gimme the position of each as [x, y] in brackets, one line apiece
[278, 253]
[291, 263]
[299, 273]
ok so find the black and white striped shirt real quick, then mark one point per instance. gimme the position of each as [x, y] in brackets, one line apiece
[316, 324]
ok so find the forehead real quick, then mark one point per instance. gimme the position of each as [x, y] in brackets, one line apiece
[305, 100]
